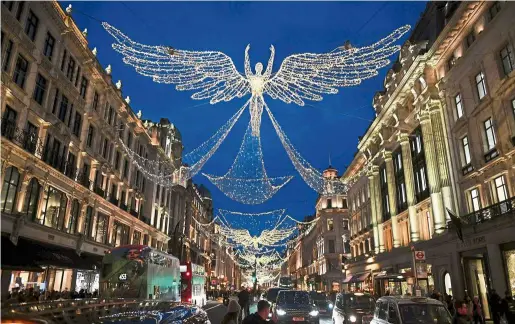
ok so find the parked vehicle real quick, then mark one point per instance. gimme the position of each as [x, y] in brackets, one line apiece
[353, 308]
[325, 306]
[410, 310]
[295, 306]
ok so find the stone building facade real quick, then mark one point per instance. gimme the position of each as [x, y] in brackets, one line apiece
[69, 192]
[442, 140]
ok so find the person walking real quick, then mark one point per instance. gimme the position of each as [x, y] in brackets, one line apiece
[244, 301]
[477, 311]
[261, 316]
[495, 304]
[233, 312]
[462, 315]
[508, 308]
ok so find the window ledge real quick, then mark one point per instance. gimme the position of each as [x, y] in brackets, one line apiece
[467, 169]
[491, 155]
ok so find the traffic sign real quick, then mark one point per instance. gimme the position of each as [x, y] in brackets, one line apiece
[420, 255]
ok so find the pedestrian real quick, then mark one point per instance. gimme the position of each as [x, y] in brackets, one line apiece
[261, 316]
[477, 311]
[462, 313]
[508, 308]
[495, 305]
[244, 301]
[233, 312]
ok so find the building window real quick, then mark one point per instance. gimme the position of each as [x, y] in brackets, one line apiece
[513, 106]
[494, 10]
[480, 85]
[136, 237]
[451, 62]
[20, 71]
[120, 234]
[19, 11]
[125, 168]
[71, 69]
[459, 106]
[419, 165]
[88, 222]
[331, 246]
[501, 191]
[77, 75]
[71, 227]
[31, 27]
[7, 55]
[40, 89]
[475, 200]
[48, 50]
[507, 59]
[95, 101]
[384, 193]
[63, 109]
[345, 224]
[489, 134]
[63, 61]
[9, 122]
[10, 189]
[466, 150]
[330, 224]
[91, 134]
[32, 198]
[54, 208]
[77, 122]
[329, 203]
[399, 181]
[471, 37]
[100, 228]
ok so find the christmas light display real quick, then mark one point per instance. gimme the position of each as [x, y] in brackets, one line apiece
[247, 181]
[213, 75]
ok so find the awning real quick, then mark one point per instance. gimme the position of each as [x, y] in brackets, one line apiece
[12, 259]
[360, 278]
[44, 254]
[347, 279]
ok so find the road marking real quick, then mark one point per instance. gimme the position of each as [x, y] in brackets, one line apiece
[210, 308]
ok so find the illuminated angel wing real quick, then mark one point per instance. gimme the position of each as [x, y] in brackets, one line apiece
[307, 76]
[211, 74]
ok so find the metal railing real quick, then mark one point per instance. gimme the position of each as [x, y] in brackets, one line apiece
[488, 213]
[78, 311]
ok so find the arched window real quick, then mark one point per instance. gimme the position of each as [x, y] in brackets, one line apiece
[71, 227]
[447, 283]
[10, 189]
[32, 198]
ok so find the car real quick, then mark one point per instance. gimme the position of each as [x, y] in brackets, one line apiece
[410, 310]
[353, 308]
[270, 296]
[295, 306]
[325, 306]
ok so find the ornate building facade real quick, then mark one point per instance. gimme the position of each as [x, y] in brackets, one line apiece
[442, 140]
[69, 193]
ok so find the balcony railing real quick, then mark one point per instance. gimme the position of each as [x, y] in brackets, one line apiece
[467, 169]
[27, 140]
[490, 212]
[492, 154]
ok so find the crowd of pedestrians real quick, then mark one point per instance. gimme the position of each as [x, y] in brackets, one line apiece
[37, 295]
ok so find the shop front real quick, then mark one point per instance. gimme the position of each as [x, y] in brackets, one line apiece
[508, 251]
[47, 268]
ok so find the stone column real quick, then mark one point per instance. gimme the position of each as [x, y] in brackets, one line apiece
[392, 194]
[409, 182]
[433, 174]
[379, 208]
[372, 189]
[82, 216]
[24, 177]
[442, 153]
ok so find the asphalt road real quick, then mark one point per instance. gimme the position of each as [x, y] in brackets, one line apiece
[216, 311]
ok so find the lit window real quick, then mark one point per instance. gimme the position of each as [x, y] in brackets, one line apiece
[10, 190]
[489, 134]
[330, 224]
[481, 85]
[507, 59]
[459, 106]
[500, 188]
[475, 200]
[466, 150]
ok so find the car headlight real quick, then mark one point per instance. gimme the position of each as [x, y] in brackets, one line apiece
[331, 306]
[352, 318]
[313, 313]
[281, 312]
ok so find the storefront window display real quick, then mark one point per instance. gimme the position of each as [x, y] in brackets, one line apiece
[509, 257]
[21, 280]
[87, 280]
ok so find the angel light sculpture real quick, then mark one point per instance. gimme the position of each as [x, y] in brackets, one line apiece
[212, 75]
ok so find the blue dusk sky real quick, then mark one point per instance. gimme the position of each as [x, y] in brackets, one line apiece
[318, 130]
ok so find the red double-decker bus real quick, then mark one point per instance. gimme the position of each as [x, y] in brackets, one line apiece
[193, 284]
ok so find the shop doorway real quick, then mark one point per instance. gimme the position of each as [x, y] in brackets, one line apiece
[477, 277]
[447, 283]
